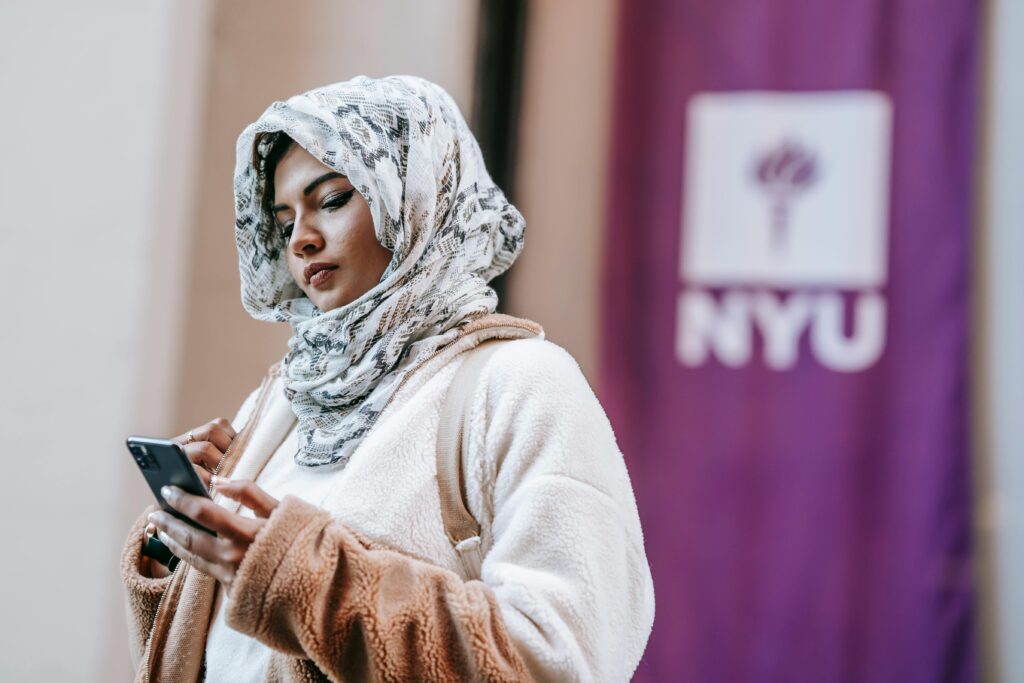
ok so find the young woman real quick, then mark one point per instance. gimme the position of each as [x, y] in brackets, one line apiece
[348, 545]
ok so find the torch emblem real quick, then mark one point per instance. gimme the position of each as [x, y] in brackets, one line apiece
[784, 173]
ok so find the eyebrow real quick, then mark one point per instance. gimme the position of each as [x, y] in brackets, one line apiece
[312, 186]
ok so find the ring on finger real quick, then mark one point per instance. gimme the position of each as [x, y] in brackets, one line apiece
[190, 438]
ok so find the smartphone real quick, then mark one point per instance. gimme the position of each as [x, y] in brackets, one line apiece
[164, 463]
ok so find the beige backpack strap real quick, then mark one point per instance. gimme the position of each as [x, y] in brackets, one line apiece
[462, 528]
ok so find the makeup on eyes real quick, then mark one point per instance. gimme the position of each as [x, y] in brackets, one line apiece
[338, 199]
[333, 201]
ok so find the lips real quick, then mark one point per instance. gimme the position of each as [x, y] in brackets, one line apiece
[314, 268]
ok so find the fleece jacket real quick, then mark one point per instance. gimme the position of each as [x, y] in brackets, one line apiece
[365, 585]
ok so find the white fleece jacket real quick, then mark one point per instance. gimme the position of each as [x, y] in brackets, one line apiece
[563, 549]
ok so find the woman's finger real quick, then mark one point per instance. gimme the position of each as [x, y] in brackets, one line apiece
[191, 541]
[204, 475]
[225, 425]
[204, 454]
[219, 432]
[198, 508]
[205, 512]
[183, 542]
[248, 494]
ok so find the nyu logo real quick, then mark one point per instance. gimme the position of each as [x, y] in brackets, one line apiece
[784, 173]
[785, 229]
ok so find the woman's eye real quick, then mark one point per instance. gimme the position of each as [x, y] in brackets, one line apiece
[338, 200]
[286, 231]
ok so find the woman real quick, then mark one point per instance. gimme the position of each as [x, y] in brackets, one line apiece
[366, 220]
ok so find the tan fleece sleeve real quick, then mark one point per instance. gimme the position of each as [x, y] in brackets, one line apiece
[142, 593]
[309, 588]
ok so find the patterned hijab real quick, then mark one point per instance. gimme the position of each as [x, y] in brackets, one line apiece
[405, 147]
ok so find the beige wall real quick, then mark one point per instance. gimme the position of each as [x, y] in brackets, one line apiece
[562, 174]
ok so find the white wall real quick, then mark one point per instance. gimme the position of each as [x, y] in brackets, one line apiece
[999, 347]
[88, 99]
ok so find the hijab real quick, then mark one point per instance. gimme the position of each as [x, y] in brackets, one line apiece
[405, 147]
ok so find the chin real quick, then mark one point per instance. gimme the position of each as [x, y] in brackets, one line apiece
[329, 303]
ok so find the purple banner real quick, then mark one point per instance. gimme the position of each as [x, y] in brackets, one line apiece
[785, 333]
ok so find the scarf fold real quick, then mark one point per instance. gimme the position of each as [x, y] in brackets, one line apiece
[405, 147]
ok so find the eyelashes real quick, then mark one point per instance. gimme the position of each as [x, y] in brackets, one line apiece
[331, 202]
[338, 199]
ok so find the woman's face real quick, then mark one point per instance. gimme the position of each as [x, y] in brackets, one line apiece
[332, 250]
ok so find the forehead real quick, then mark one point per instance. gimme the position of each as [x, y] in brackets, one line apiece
[296, 169]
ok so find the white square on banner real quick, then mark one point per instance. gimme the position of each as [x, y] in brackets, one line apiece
[787, 189]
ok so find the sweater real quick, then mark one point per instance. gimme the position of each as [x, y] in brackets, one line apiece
[364, 584]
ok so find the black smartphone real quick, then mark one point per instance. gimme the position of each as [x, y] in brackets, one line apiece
[164, 463]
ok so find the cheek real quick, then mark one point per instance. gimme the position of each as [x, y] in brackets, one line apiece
[295, 267]
[355, 234]
[373, 257]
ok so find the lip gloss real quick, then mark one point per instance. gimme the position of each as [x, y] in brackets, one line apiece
[321, 276]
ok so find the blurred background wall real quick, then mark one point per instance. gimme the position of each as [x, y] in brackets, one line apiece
[97, 99]
[120, 269]
[998, 388]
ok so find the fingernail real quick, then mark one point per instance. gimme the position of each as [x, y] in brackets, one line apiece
[167, 492]
[217, 481]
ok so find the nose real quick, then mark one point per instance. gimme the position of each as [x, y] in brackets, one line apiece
[306, 237]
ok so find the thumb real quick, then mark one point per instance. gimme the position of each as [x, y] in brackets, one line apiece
[248, 494]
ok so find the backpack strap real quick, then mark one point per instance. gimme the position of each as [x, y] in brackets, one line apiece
[452, 442]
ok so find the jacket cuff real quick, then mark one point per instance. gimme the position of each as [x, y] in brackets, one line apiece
[132, 558]
[246, 607]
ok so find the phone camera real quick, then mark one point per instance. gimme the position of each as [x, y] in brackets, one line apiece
[143, 457]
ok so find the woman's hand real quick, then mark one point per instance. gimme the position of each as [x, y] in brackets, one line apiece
[206, 448]
[218, 556]
[208, 445]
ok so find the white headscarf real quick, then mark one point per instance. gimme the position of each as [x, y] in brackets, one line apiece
[404, 145]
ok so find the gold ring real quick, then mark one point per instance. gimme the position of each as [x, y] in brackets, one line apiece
[190, 438]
